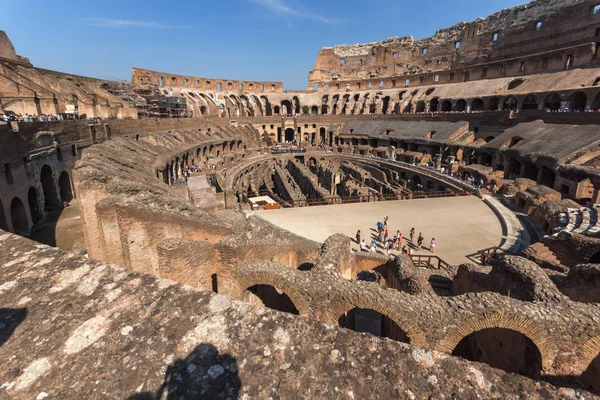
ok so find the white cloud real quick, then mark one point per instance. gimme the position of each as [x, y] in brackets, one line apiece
[281, 8]
[126, 23]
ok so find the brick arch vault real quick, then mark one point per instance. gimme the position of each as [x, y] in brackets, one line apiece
[587, 352]
[278, 281]
[533, 330]
[414, 333]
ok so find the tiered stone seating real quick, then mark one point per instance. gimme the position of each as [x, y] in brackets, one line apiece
[583, 220]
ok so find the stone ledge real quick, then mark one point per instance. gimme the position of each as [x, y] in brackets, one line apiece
[79, 328]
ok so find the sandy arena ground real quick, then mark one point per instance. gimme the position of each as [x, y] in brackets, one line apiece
[460, 225]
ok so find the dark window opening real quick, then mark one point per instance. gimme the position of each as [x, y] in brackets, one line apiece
[569, 62]
[215, 287]
[503, 69]
[8, 174]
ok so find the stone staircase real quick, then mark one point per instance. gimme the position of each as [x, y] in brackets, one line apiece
[582, 220]
[542, 251]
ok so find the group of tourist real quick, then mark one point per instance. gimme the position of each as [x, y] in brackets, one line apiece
[185, 174]
[30, 117]
[383, 239]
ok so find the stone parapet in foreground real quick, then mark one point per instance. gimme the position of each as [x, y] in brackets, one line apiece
[76, 328]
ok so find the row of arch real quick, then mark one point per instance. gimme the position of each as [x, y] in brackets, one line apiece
[38, 204]
[174, 170]
[576, 102]
[508, 342]
[416, 101]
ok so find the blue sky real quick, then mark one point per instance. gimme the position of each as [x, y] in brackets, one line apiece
[274, 40]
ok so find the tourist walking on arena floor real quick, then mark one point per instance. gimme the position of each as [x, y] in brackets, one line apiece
[385, 222]
[412, 234]
[358, 236]
[386, 236]
[419, 242]
[363, 246]
[432, 245]
[389, 246]
[398, 239]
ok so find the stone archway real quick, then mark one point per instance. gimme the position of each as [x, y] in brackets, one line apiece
[49, 188]
[3, 223]
[595, 258]
[477, 105]
[502, 348]
[249, 279]
[510, 103]
[270, 297]
[64, 183]
[530, 102]
[34, 206]
[587, 352]
[552, 102]
[518, 323]
[493, 104]
[19, 217]
[289, 135]
[413, 334]
[578, 101]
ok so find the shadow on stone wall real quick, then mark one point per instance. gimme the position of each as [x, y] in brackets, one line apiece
[10, 319]
[203, 374]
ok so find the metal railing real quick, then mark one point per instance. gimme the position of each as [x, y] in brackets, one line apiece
[376, 197]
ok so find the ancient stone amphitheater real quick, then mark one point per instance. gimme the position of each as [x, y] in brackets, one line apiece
[156, 270]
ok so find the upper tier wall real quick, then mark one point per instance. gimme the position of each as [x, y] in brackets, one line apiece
[145, 77]
[551, 29]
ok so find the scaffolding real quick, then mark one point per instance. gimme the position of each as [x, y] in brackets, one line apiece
[129, 94]
[149, 101]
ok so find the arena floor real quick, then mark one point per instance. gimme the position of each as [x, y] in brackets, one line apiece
[460, 225]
